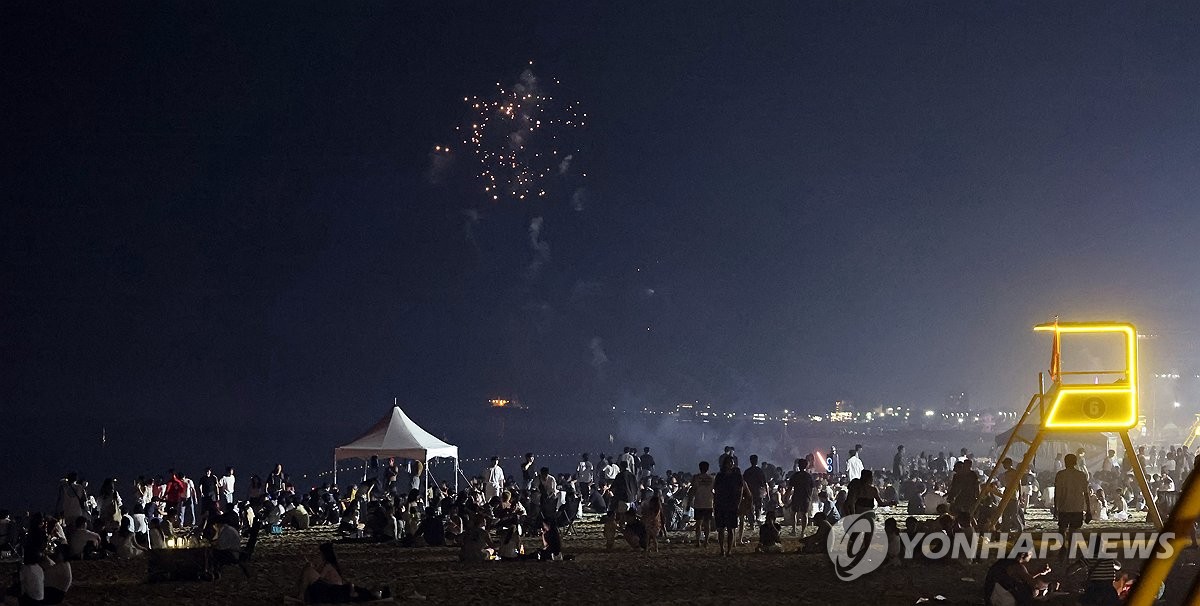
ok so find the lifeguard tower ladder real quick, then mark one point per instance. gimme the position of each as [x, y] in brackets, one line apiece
[1079, 407]
[1193, 434]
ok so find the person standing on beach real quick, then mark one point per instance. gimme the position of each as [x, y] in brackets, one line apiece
[854, 466]
[71, 497]
[646, 463]
[756, 480]
[275, 481]
[187, 509]
[731, 454]
[727, 497]
[391, 476]
[799, 495]
[1072, 500]
[175, 494]
[627, 457]
[493, 480]
[529, 474]
[226, 486]
[610, 470]
[624, 491]
[583, 476]
[701, 495]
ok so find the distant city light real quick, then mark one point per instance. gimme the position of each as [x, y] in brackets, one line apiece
[1177, 404]
[929, 413]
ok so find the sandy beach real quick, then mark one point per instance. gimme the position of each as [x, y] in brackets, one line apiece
[680, 573]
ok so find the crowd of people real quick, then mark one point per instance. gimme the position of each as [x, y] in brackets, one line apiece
[490, 515]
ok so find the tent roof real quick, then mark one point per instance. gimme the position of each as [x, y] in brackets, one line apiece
[396, 435]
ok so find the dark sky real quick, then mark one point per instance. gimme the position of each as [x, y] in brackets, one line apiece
[218, 220]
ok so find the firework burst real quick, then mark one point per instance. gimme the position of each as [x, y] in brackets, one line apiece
[523, 138]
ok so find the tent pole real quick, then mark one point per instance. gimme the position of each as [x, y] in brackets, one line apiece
[425, 493]
[335, 468]
[456, 473]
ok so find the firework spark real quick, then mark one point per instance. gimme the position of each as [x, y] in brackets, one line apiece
[521, 137]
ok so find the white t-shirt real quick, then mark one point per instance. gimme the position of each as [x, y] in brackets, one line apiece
[495, 477]
[225, 485]
[629, 462]
[229, 539]
[79, 539]
[611, 471]
[550, 486]
[72, 505]
[854, 467]
[33, 582]
[702, 491]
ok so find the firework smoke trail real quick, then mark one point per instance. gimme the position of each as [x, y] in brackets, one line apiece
[541, 248]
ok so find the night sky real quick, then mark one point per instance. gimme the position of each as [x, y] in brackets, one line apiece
[225, 236]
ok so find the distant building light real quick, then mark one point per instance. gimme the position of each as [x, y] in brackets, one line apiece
[929, 413]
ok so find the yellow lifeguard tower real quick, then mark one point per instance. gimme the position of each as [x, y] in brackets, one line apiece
[1067, 407]
[1193, 433]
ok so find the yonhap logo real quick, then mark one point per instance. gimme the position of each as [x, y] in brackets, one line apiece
[857, 546]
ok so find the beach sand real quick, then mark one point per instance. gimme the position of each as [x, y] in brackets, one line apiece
[679, 573]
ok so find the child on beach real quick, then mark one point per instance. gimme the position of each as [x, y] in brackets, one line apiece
[768, 535]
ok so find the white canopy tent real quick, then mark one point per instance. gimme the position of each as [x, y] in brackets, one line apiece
[396, 435]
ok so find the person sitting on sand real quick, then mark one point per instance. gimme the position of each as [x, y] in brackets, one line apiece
[124, 545]
[551, 541]
[323, 583]
[477, 545]
[158, 539]
[511, 547]
[1008, 581]
[826, 506]
[916, 497]
[57, 577]
[227, 546]
[891, 530]
[296, 516]
[634, 530]
[1106, 584]
[867, 496]
[82, 543]
[31, 579]
[768, 535]
[817, 543]
[433, 527]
